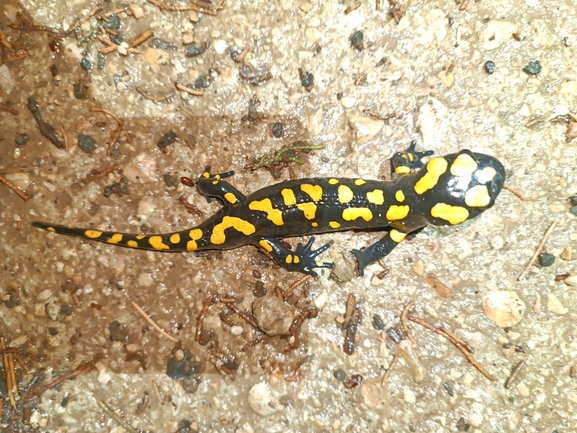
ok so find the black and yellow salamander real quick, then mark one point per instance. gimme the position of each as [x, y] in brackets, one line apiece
[445, 191]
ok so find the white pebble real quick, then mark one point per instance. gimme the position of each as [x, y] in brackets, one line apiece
[219, 46]
[145, 280]
[348, 102]
[236, 330]
[409, 396]
[571, 280]
[554, 304]
[497, 242]
[366, 128]
[261, 399]
[503, 307]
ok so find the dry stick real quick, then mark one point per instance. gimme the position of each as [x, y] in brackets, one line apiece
[514, 373]
[189, 90]
[181, 8]
[538, 250]
[294, 285]
[388, 372]
[153, 323]
[157, 391]
[11, 383]
[15, 188]
[84, 367]
[100, 175]
[65, 137]
[514, 192]
[463, 347]
[4, 107]
[404, 322]
[112, 414]
[73, 27]
[201, 317]
[140, 39]
[153, 98]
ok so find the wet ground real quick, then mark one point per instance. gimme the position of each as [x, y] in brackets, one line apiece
[344, 86]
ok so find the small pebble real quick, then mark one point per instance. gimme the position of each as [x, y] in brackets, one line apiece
[193, 51]
[378, 322]
[236, 330]
[112, 23]
[532, 68]
[87, 143]
[202, 82]
[571, 280]
[503, 307]
[546, 259]
[86, 64]
[573, 210]
[554, 305]
[357, 40]
[22, 139]
[277, 130]
[307, 79]
[136, 11]
[182, 369]
[262, 400]
[219, 46]
[340, 374]
[489, 66]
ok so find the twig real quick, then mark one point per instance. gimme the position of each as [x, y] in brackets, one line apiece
[459, 344]
[151, 97]
[64, 137]
[296, 284]
[388, 372]
[140, 39]
[153, 323]
[352, 7]
[514, 373]
[201, 317]
[173, 8]
[84, 367]
[99, 175]
[78, 23]
[10, 374]
[189, 90]
[4, 107]
[15, 188]
[243, 315]
[112, 414]
[538, 250]
[514, 192]
[404, 322]
[157, 391]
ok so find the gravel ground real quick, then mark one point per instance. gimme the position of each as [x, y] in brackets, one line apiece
[353, 83]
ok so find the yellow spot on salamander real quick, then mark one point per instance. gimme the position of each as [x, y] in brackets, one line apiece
[52, 229]
[230, 197]
[463, 167]
[452, 214]
[174, 238]
[92, 234]
[334, 225]
[265, 245]
[333, 181]
[352, 213]
[345, 194]
[194, 235]
[132, 244]
[402, 169]
[376, 197]
[115, 238]
[478, 196]
[296, 259]
[397, 236]
[435, 168]
[206, 174]
[218, 237]
[359, 182]
[288, 196]
[314, 191]
[486, 175]
[157, 243]
[138, 237]
[314, 224]
[400, 196]
[309, 209]
[265, 205]
[289, 258]
[397, 212]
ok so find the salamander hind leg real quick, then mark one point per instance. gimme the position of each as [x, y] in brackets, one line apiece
[378, 250]
[212, 185]
[303, 259]
[409, 160]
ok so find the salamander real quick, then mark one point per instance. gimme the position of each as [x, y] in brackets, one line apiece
[446, 190]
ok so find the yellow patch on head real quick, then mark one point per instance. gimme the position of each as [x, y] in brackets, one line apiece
[435, 168]
[478, 196]
[174, 238]
[309, 209]
[359, 182]
[400, 196]
[52, 229]
[395, 212]
[397, 236]
[486, 175]
[334, 224]
[288, 196]
[402, 169]
[289, 259]
[352, 213]
[230, 197]
[376, 197]
[345, 194]
[333, 181]
[92, 234]
[206, 174]
[463, 167]
[296, 259]
[265, 245]
[314, 191]
[452, 214]
[132, 244]
[265, 205]
[218, 237]
[115, 238]
[157, 243]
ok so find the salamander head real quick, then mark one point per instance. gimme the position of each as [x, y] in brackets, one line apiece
[459, 186]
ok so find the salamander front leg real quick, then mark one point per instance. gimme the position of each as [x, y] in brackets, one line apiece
[409, 160]
[212, 185]
[303, 259]
[378, 250]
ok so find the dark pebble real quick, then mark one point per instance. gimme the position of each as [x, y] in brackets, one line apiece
[532, 68]
[118, 188]
[573, 210]
[190, 384]
[67, 309]
[112, 24]
[53, 331]
[307, 79]
[170, 180]
[449, 389]
[339, 96]
[573, 200]
[22, 139]
[86, 64]
[167, 139]
[259, 289]
[357, 40]
[65, 401]
[277, 130]
[378, 322]
[394, 335]
[546, 259]
[101, 61]
[182, 369]
[118, 331]
[87, 143]
[193, 51]
[202, 82]
[340, 374]
[489, 66]
[118, 39]
[185, 426]
[13, 299]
